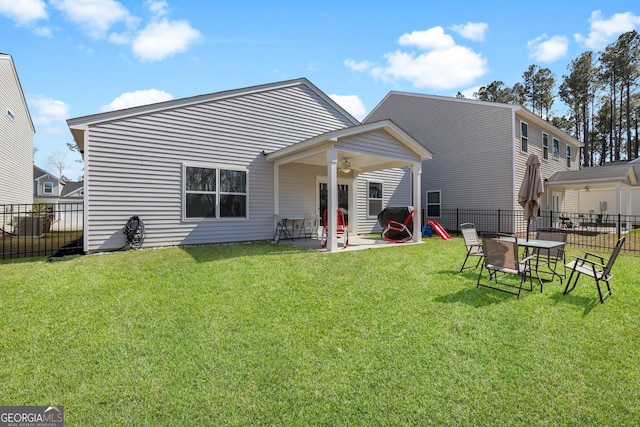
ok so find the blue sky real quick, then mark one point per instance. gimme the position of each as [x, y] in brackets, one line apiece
[80, 57]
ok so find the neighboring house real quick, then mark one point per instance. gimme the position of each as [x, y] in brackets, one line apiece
[480, 151]
[64, 199]
[47, 187]
[611, 189]
[16, 138]
[220, 167]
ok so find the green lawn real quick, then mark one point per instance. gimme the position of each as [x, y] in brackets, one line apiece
[264, 334]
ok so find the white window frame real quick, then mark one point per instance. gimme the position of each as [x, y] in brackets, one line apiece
[439, 204]
[369, 198]
[568, 151]
[217, 193]
[524, 136]
[545, 146]
[44, 187]
[556, 148]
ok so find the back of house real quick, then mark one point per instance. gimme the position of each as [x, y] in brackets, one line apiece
[16, 138]
[480, 150]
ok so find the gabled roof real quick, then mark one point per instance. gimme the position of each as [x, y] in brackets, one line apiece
[78, 124]
[39, 173]
[9, 58]
[516, 109]
[70, 188]
[627, 173]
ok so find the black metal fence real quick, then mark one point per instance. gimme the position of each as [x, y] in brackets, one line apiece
[595, 231]
[41, 229]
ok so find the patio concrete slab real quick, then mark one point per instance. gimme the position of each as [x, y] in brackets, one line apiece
[355, 243]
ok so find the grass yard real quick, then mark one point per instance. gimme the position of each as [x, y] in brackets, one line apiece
[264, 334]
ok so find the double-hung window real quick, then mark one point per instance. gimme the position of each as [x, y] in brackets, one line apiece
[568, 156]
[47, 187]
[433, 203]
[375, 201]
[545, 146]
[212, 192]
[524, 136]
[556, 148]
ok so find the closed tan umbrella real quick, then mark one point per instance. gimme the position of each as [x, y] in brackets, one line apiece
[531, 190]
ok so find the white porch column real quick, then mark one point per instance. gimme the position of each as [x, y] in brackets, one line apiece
[417, 201]
[332, 199]
[276, 192]
[618, 198]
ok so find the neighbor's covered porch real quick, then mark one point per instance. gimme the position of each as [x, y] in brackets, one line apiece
[343, 158]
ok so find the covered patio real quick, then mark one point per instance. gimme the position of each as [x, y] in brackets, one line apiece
[342, 156]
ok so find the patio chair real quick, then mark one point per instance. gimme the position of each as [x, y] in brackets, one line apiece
[396, 223]
[310, 227]
[551, 257]
[341, 229]
[501, 259]
[284, 229]
[595, 266]
[472, 244]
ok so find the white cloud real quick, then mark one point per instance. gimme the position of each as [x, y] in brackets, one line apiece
[160, 40]
[433, 38]
[48, 114]
[358, 66]
[24, 11]
[604, 31]
[96, 17]
[158, 8]
[352, 103]
[469, 93]
[548, 49]
[134, 99]
[439, 62]
[471, 30]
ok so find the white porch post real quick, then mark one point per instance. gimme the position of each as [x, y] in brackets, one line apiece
[332, 199]
[276, 192]
[417, 202]
[618, 198]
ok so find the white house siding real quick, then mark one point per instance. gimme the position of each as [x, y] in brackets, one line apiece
[629, 201]
[16, 138]
[134, 164]
[471, 145]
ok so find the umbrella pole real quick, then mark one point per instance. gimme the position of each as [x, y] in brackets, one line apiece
[528, 224]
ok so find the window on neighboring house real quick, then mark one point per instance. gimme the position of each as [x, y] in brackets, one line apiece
[374, 198]
[47, 187]
[215, 192]
[568, 156]
[556, 148]
[524, 136]
[433, 203]
[545, 146]
[10, 115]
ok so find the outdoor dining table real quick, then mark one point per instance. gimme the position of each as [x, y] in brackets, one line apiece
[530, 245]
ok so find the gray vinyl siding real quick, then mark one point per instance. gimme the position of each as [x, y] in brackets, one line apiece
[135, 164]
[396, 189]
[16, 139]
[374, 143]
[472, 146]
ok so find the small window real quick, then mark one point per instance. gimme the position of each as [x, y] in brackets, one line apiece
[10, 115]
[524, 137]
[556, 148]
[545, 146]
[374, 198]
[433, 203]
[568, 156]
[47, 187]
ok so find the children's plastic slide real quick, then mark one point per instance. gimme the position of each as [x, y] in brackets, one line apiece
[438, 229]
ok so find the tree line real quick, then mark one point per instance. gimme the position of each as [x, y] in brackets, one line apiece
[600, 93]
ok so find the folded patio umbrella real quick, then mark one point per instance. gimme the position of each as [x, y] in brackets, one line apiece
[531, 190]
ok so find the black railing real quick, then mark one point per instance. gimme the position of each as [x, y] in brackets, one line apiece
[589, 230]
[41, 229]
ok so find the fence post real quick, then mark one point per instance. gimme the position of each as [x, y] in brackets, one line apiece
[499, 222]
[619, 225]
[457, 221]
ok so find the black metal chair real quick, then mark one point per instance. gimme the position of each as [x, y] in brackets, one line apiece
[595, 266]
[501, 258]
[551, 257]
